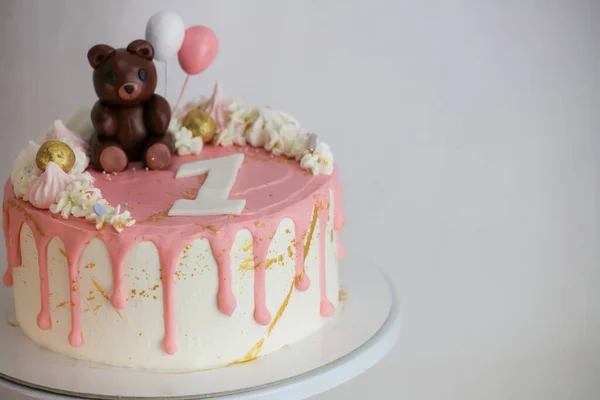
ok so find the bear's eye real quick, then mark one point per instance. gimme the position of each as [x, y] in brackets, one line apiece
[110, 77]
[143, 74]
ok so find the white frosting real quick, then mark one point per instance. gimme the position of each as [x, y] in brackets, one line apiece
[319, 161]
[79, 199]
[25, 170]
[265, 127]
[278, 133]
[45, 189]
[133, 336]
[185, 143]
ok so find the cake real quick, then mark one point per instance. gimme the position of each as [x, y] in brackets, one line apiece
[210, 241]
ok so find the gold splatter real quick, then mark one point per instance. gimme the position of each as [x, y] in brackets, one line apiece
[252, 354]
[343, 295]
[89, 266]
[103, 293]
[62, 305]
[288, 231]
[247, 246]
[290, 252]
[156, 217]
[281, 309]
[311, 231]
[212, 228]
[272, 261]
[64, 253]
[342, 298]
[246, 265]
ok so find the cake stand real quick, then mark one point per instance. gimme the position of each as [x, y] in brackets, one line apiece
[364, 329]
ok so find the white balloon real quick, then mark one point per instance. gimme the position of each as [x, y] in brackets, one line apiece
[165, 31]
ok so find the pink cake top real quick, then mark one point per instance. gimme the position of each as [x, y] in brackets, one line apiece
[148, 195]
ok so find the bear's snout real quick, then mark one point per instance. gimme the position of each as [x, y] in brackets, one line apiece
[130, 91]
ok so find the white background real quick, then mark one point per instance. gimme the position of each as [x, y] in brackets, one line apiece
[467, 133]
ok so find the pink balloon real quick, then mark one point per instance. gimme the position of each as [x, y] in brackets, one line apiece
[198, 50]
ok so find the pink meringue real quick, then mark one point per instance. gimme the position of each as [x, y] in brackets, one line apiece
[59, 131]
[45, 189]
[218, 108]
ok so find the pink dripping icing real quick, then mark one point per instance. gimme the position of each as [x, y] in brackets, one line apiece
[77, 233]
[260, 245]
[42, 240]
[169, 251]
[300, 226]
[118, 248]
[74, 244]
[219, 244]
[339, 217]
[327, 307]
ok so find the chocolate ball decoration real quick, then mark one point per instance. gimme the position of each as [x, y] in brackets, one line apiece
[56, 151]
[201, 124]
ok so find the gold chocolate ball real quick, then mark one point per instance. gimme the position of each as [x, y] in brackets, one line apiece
[201, 124]
[57, 152]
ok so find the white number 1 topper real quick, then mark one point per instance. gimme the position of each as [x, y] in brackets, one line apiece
[212, 196]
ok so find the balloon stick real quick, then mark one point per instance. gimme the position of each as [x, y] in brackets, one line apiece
[187, 78]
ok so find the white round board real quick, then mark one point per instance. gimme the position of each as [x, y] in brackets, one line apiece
[364, 329]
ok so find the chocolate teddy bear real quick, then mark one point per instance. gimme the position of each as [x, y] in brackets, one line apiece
[131, 121]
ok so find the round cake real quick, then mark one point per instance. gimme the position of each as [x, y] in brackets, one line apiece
[180, 291]
[147, 235]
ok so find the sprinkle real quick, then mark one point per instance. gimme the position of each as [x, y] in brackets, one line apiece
[147, 169]
[103, 172]
[133, 169]
[28, 170]
[126, 204]
[99, 209]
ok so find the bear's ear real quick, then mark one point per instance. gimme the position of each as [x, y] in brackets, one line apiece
[98, 54]
[142, 48]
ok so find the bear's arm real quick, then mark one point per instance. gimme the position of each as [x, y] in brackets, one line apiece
[157, 115]
[104, 120]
